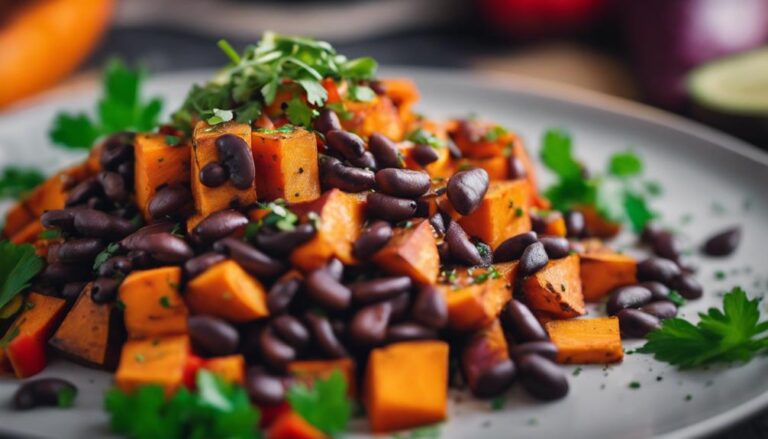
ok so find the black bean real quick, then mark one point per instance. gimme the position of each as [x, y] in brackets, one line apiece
[291, 330]
[534, 258]
[236, 156]
[461, 248]
[372, 239]
[519, 321]
[126, 170]
[84, 191]
[513, 248]
[326, 121]
[430, 307]
[282, 243]
[545, 349]
[453, 149]
[555, 246]
[44, 392]
[723, 243]
[63, 220]
[72, 290]
[631, 296]
[486, 252]
[636, 324]
[116, 151]
[538, 223]
[281, 294]
[385, 151]
[274, 351]
[114, 186]
[666, 246]
[127, 212]
[323, 333]
[657, 269]
[335, 268]
[516, 168]
[349, 179]
[171, 200]
[542, 378]
[211, 336]
[650, 232]
[347, 144]
[162, 247]
[401, 306]
[409, 331]
[140, 259]
[365, 161]
[80, 250]
[220, 225]
[97, 224]
[368, 326]
[201, 263]
[252, 260]
[104, 289]
[493, 380]
[424, 155]
[97, 203]
[380, 289]
[575, 224]
[159, 227]
[60, 273]
[327, 291]
[403, 183]
[213, 175]
[466, 190]
[390, 208]
[658, 290]
[687, 286]
[378, 87]
[438, 224]
[444, 251]
[663, 309]
[264, 389]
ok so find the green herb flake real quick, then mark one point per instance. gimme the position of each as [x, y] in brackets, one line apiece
[498, 403]
[172, 140]
[495, 132]
[719, 275]
[299, 113]
[577, 371]
[634, 385]
[165, 302]
[676, 298]
[490, 273]
[18, 265]
[421, 136]
[49, 234]
[120, 305]
[325, 405]
[139, 358]
[105, 254]
[66, 397]
[361, 93]
[625, 164]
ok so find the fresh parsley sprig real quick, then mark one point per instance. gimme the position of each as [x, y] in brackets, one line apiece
[19, 264]
[325, 405]
[15, 181]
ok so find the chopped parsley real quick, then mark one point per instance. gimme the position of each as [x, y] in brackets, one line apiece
[165, 302]
[495, 132]
[634, 385]
[361, 93]
[421, 136]
[490, 273]
[105, 254]
[16, 181]
[172, 140]
[676, 298]
[498, 403]
[325, 405]
[18, 265]
[279, 216]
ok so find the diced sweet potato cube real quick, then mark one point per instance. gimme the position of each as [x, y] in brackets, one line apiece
[158, 164]
[502, 214]
[18, 217]
[596, 225]
[231, 368]
[497, 167]
[406, 385]
[556, 289]
[340, 220]
[227, 291]
[404, 95]
[602, 272]
[586, 341]
[483, 352]
[376, 116]
[308, 371]
[157, 361]
[53, 193]
[28, 234]
[290, 425]
[411, 252]
[153, 305]
[286, 165]
[474, 306]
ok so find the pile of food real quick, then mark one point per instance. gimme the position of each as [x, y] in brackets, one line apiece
[299, 231]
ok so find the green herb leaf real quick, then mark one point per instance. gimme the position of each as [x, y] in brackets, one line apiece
[676, 298]
[66, 397]
[325, 405]
[220, 116]
[557, 155]
[18, 265]
[299, 113]
[361, 93]
[105, 254]
[625, 164]
[495, 133]
[316, 93]
[16, 181]
[637, 210]
[360, 68]
[75, 131]
[421, 136]
[229, 51]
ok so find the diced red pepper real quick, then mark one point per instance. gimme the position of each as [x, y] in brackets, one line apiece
[291, 425]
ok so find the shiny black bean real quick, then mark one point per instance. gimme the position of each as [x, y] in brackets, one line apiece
[438, 224]
[519, 321]
[127, 212]
[349, 179]
[53, 253]
[252, 260]
[140, 259]
[403, 183]
[687, 286]
[115, 152]
[368, 326]
[199, 264]
[347, 144]
[236, 156]
[116, 266]
[274, 351]
[323, 334]
[723, 243]
[575, 225]
[126, 170]
[220, 225]
[213, 175]
[658, 290]
[114, 186]
[430, 307]
[513, 248]
[545, 349]
[493, 380]
[444, 251]
[80, 250]
[72, 290]
[534, 258]
[424, 154]
[212, 336]
[385, 151]
[60, 273]
[63, 220]
[326, 121]
[542, 378]
[365, 161]
[97, 224]
[263, 388]
[162, 247]
[662, 309]
[657, 269]
[650, 232]
[666, 246]
[335, 268]
[159, 227]
[409, 331]
[390, 208]
[538, 223]
[281, 294]
[378, 87]
[401, 306]
[461, 248]
[380, 289]
[631, 296]
[44, 392]
[291, 330]
[105, 289]
[372, 239]
[282, 243]
[516, 168]
[170, 200]
[466, 190]
[453, 149]
[327, 291]
[84, 191]
[555, 246]
[636, 324]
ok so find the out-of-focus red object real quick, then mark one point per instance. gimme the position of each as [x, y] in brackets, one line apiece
[538, 18]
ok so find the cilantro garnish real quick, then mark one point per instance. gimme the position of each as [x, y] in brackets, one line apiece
[121, 108]
[16, 181]
[279, 216]
[105, 254]
[361, 93]
[676, 298]
[325, 405]
[18, 265]
[421, 136]
[299, 113]
[625, 164]
[495, 132]
[490, 273]
[732, 334]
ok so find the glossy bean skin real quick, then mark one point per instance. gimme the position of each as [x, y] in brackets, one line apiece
[212, 337]
[372, 239]
[723, 243]
[658, 290]
[368, 326]
[162, 247]
[390, 208]
[466, 189]
[63, 220]
[43, 392]
[631, 296]
[687, 286]
[545, 349]
[555, 246]
[657, 269]
[252, 260]
[84, 191]
[575, 224]
[197, 265]
[365, 161]
[104, 289]
[170, 201]
[516, 168]
[113, 185]
[345, 143]
[274, 351]
[213, 175]
[324, 336]
[542, 378]
[438, 224]
[117, 150]
[72, 290]
[116, 266]
[326, 121]
[380, 289]
[335, 268]
[533, 259]
[80, 250]
[220, 225]
[404, 183]
[96, 224]
[518, 320]
[635, 323]
[282, 292]
[60, 273]
[512, 249]
[460, 247]
[409, 331]
[334, 174]
[430, 308]
[424, 155]
[235, 155]
[385, 151]
[263, 388]
[494, 380]
[327, 291]
[291, 330]
[666, 245]
[662, 309]
[282, 243]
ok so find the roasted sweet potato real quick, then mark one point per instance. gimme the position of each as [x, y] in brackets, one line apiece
[502, 214]
[286, 165]
[485, 362]
[28, 234]
[91, 333]
[227, 291]
[22, 348]
[406, 385]
[376, 116]
[158, 164]
[476, 305]
[153, 305]
[442, 168]
[291, 425]
[18, 217]
[497, 167]
[556, 289]
[586, 341]
[231, 368]
[553, 222]
[404, 95]
[412, 251]
[340, 220]
[596, 225]
[602, 272]
[52, 194]
[308, 371]
[159, 361]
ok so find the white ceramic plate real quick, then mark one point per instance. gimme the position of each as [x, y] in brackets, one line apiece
[710, 179]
